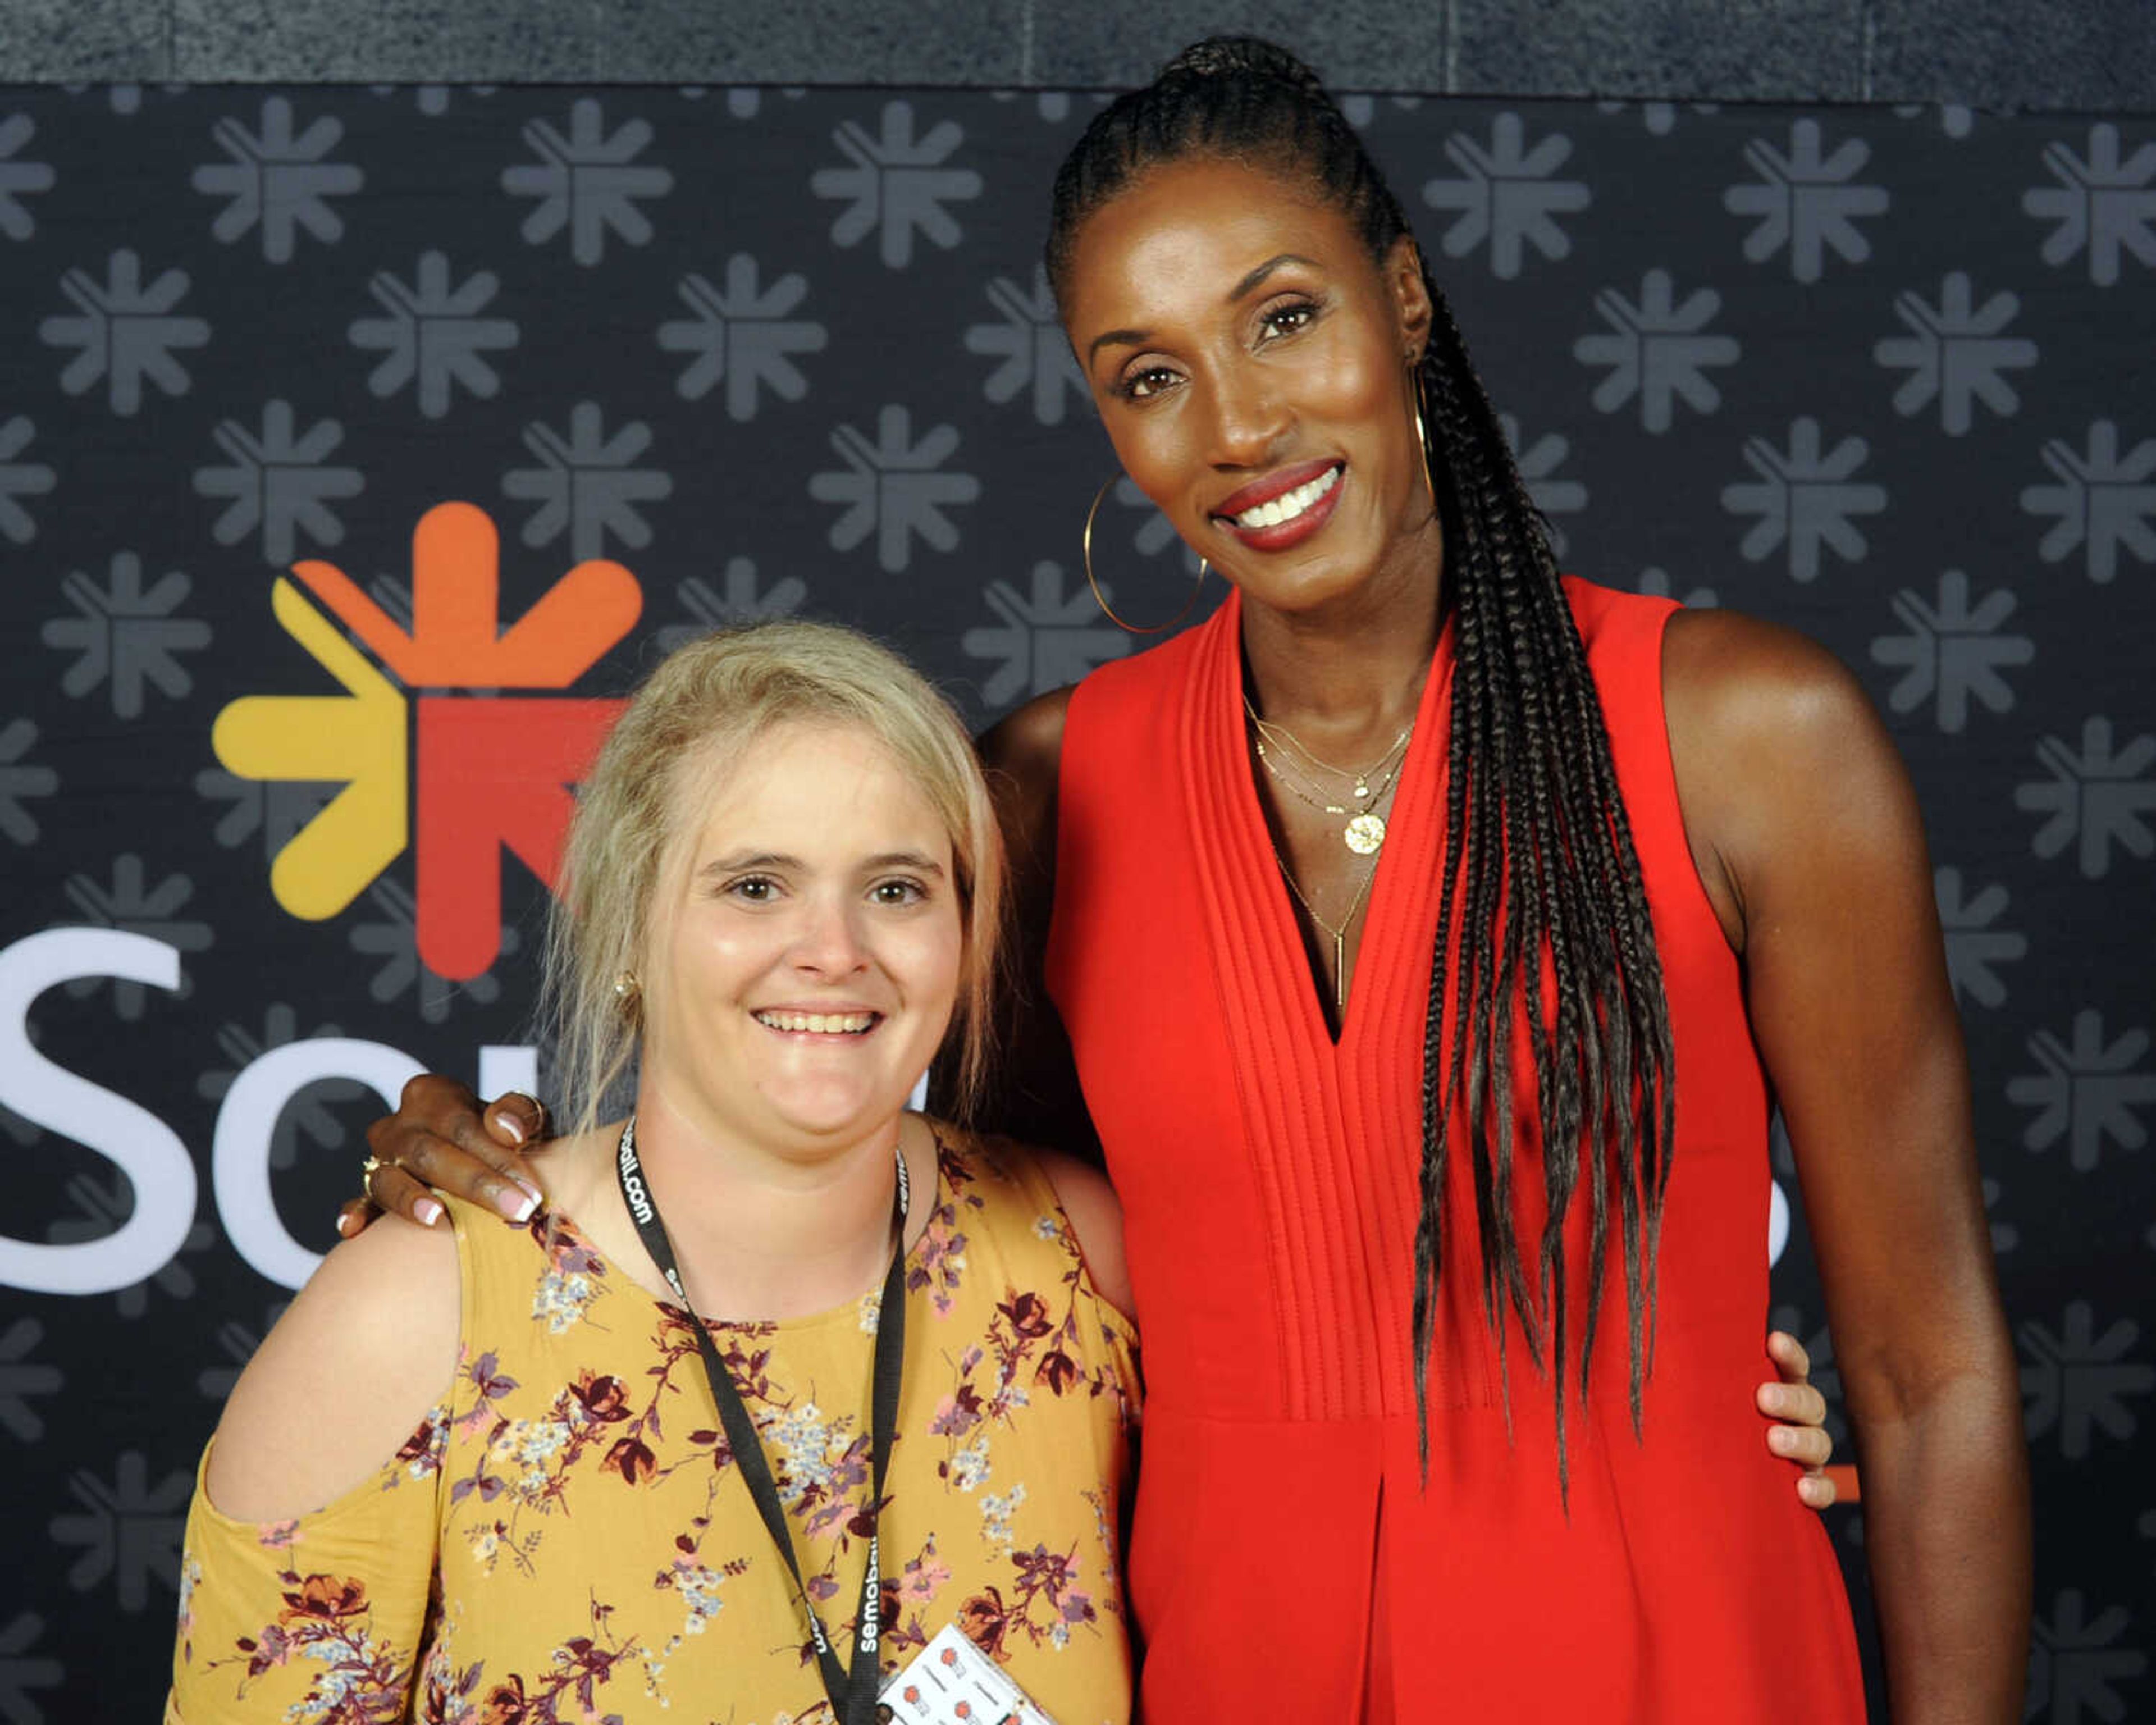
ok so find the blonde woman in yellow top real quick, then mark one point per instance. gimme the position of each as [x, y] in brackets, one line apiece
[494, 1471]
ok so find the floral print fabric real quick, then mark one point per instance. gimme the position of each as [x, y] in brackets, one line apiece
[566, 1536]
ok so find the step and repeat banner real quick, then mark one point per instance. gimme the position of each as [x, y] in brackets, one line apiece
[359, 446]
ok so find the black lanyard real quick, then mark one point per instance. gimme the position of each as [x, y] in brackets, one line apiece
[852, 1689]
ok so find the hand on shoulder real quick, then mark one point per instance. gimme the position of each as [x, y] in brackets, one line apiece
[344, 1378]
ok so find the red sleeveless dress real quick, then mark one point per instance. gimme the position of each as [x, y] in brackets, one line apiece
[1286, 1562]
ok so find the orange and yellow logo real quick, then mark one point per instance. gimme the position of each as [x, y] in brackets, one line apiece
[414, 748]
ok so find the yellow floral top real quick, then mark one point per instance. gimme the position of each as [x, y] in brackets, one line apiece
[566, 1536]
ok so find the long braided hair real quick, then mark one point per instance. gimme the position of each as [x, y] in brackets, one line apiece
[1541, 867]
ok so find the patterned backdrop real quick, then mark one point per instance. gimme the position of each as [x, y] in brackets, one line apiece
[697, 355]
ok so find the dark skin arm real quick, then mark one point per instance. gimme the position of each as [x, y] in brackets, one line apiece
[1034, 1094]
[1807, 836]
[439, 1134]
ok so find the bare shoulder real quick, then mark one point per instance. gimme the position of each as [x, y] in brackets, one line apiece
[1023, 753]
[1781, 760]
[1096, 1218]
[1029, 739]
[345, 1377]
[1732, 680]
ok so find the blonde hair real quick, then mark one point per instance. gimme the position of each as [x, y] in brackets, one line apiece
[702, 704]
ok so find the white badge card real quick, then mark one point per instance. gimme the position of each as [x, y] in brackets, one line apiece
[950, 1682]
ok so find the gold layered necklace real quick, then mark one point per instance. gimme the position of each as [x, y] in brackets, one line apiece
[1339, 934]
[1365, 805]
[1368, 800]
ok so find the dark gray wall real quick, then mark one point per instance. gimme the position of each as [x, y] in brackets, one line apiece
[2081, 54]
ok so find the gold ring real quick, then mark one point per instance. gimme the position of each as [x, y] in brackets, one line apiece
[368, 1169]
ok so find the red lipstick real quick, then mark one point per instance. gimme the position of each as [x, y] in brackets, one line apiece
[1282, 536]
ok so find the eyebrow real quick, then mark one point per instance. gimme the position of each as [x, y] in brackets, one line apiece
[1138, 338]
[737, 861]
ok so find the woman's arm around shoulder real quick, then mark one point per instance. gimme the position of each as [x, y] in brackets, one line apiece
[1022, 753]
[1808, 838]
[1033, 1090]
[344, 1379]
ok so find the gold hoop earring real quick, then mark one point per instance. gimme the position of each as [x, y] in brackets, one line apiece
[627, 994]
[1086, 551]
[1422, 437]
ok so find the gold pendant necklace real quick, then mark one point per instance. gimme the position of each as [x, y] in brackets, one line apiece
[1364, 834]
[1339, 934]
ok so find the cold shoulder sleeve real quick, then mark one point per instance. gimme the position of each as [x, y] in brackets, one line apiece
[319, 1618]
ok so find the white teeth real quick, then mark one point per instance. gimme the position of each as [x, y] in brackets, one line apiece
[1289, 504]
[818, 1024]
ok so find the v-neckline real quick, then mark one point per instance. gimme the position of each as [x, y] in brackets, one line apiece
[1413, 827]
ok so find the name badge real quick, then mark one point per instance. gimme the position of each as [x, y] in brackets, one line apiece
[950, 1682]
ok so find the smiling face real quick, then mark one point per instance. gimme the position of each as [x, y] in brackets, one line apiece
[1250, 361]
[807, 951]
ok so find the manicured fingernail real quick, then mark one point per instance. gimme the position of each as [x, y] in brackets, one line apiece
[516, 1203]
[343, 1226]
[428, 1211]
[514, 1127]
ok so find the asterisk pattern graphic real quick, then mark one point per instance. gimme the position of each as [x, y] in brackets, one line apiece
[1042, 639]
[1958, 353]
[2097, 797]
[431, 334]
[126, 333]
[2087, 1090]
[742, 598]
[1033, 355]
[744, 334]
[1806, 202]
[895, 489]
[2104, 504]
[1952, 651]
[1976, 944]
[2104, 205]
[2078, 1383]
[127, 639]
[588, 184]
[277, 181]
[1554, 494]
[1806, 498]
[278, 480]
[23, 1376]
[1657, 351]
[1507, 195]
[127, 1531]
[20, 479]
[588, 483]
[19, 178]
[2077, 1663]
[897, 186]
[21, 781]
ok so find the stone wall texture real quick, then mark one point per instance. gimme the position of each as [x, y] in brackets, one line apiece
[2095, 55]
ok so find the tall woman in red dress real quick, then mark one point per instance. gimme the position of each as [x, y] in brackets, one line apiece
[1431, 933]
